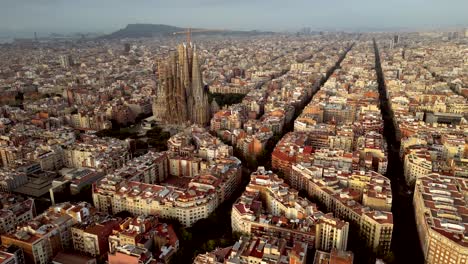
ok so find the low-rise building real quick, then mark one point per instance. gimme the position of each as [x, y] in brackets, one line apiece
[334, 257]
[257, 249]
[11, 179]
[14, 211]
[91, 238]
[103, 154]
[75, 258]
[129, 254]
[146, 232]
[11, 255]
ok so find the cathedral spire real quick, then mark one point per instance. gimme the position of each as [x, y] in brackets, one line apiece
[180, 82]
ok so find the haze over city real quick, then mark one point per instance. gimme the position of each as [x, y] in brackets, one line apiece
[65, 16]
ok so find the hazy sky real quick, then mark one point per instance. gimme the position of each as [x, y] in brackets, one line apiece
[109, 15]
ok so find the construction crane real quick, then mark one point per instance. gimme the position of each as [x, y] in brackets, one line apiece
[189, 32]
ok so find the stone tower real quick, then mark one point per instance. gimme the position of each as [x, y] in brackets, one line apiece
[200, 109]
[181, 97]
[214, 106]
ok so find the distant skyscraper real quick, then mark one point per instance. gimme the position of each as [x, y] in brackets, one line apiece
[181, 96]
[306, 31]
[452, 35]
[396, 39]
[66, 61]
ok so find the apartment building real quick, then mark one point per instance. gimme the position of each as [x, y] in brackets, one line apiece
[288, 216]
[47, 234]
[257, 249]
[440, 210]
[14, 211]
[362, 198]
[417, 163]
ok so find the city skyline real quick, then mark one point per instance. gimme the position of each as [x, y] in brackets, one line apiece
[282, 132]
[46, 16]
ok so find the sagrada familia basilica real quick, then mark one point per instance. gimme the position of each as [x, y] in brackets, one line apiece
[181, 97]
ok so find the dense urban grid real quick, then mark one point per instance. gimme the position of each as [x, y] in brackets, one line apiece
[330, 148]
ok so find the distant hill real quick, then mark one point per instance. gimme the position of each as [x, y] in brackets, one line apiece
[159, 30]
[143, 31]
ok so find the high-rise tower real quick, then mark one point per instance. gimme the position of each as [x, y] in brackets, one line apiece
[181, 96]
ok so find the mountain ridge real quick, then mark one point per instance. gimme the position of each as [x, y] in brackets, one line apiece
[162, 30]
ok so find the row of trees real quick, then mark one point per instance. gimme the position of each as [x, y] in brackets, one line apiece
[155, 138]
[225, 99]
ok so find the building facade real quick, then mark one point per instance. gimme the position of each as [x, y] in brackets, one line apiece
[440, 211]
[181, 96]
